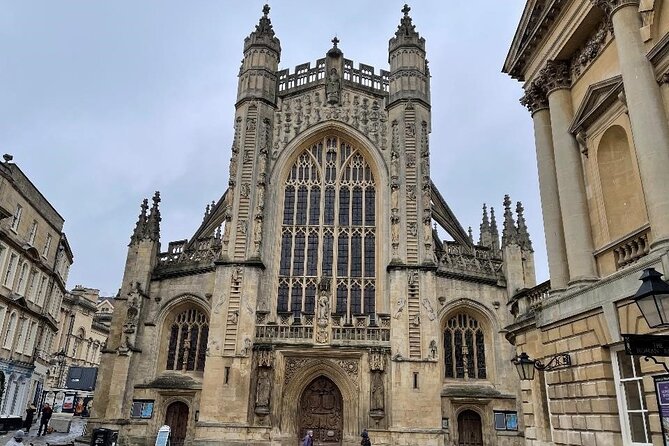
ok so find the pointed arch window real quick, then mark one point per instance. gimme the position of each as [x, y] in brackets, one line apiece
[188, 341]
[464, 348]
[329, 230]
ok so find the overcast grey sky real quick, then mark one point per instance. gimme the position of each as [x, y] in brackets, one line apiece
[103, 102]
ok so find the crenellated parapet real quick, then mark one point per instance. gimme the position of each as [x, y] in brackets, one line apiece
[305, 77]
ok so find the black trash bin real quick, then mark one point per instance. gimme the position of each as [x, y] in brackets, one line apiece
[103, 437]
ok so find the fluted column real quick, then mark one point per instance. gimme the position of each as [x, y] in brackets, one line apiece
[570, 182]
[537, 103]
[646, 113]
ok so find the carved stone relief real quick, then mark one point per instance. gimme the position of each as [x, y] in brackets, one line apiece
[297, 114]
[428, 308]
[294, 365]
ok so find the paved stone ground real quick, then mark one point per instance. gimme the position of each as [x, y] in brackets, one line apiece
[76, 430]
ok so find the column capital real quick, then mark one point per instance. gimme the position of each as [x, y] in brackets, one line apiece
[555, 75]
[535, 98]
[611, 6]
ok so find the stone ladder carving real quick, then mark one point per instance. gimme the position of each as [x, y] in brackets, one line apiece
[411, 204]
[413, 306]
[247, 159]
[234, 308]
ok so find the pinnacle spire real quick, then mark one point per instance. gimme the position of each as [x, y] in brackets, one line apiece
[509, 232]
[140, 226]
[406, 33]
[153, 221]
[484, 229]
[523, 233]
[264, 33]
[494, 232]
[334, 51]
[470, 234]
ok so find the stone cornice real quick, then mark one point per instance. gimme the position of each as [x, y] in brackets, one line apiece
[555, 75]
[611, 6]
[537, 20]
[535, 98]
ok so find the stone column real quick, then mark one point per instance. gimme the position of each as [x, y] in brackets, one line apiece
[646, 113]
[570, 182]
[537, 103]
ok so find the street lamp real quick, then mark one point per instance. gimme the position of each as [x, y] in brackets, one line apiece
[652, 297]
[526, 366]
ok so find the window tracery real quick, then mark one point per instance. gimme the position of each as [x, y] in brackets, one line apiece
[328, 230]
[464, 348]
[187, 344]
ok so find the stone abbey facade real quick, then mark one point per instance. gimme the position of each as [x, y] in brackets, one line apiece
[316, 294]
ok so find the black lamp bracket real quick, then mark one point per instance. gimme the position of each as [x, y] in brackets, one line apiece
[562, 360]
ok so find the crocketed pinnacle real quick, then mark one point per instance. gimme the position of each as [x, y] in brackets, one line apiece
[484, 229]
[494, 232]
[509, 231]
[263, 34]
[470, 234]
[406, 34]
[140, 227]
[153, 221]
[523, 233]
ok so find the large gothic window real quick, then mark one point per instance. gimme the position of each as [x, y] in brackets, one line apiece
[464, 348]
[188, 341]
[328, 230]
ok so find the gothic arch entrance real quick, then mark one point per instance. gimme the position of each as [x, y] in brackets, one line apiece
[321, 411]
[176, 417]
[469, 429]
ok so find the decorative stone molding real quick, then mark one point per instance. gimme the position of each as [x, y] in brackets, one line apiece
[377, 360]
[591, 49]
[265, 358]
[534, 98]
[555, 75]
[294, 365]
[611, 6]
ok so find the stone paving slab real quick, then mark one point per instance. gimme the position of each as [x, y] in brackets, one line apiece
[77, 429]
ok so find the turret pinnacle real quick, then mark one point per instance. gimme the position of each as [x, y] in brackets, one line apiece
[509, 232]
[140, 227]
[484, 229]
[471, 235]
[523, 233]
[263, 34]
[494, 232]
[153, 221]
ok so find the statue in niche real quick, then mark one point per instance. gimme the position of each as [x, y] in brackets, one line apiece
[394, 195]
[433, 349]
[257, 235]
[333, 87]
[263, 390]
[377, 401]
[394, 164]
[323, 300]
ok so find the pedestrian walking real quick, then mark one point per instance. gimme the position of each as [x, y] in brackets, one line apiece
[365, 438]
[44, 420]
[30, 414]
[17, 439]
[308, 439]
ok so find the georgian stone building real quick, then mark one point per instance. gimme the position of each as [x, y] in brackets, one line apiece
[595, 76]
[34, 263]
[316, 294]
[83, 327]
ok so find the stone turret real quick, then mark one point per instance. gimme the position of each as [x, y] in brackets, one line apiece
[484, 229]
[124, 343]
[409, 73]
[517, 250]
[262, 53]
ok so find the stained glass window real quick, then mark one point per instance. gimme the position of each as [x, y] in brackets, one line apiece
[329, 217]
[464, 348]
[187, 345]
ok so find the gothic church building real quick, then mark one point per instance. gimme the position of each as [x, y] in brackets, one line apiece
[316, 294]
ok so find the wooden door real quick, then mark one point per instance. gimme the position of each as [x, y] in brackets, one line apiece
[176, 417]
[321, 411]
[469, 429]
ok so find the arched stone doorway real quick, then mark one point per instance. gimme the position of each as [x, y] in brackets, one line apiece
[321, 411]
[469, 429]
[176, 417]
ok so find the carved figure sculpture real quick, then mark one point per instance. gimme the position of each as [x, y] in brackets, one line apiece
[263, 390]
[333, 87]
[377, 400]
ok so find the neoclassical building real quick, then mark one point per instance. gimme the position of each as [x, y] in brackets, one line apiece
[595, 78]
[316, 294]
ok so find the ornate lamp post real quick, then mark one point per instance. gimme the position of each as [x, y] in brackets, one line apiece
[526, 366]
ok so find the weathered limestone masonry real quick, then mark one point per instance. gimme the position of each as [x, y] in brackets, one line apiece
[316, 293]
[595, 76]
